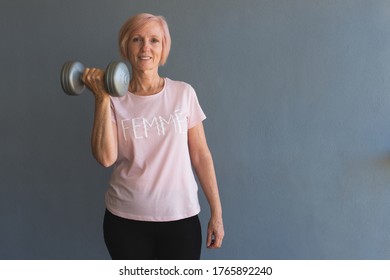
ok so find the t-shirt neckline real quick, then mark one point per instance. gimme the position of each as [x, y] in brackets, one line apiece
[152, 95]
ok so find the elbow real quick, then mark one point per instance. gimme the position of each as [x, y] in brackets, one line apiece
[200, 159]
[106, 161]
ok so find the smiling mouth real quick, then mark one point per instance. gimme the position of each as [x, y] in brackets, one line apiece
[145, 57]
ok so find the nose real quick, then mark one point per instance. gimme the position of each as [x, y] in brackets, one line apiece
[145, 45]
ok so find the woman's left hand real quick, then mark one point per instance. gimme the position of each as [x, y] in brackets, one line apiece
[215, 233]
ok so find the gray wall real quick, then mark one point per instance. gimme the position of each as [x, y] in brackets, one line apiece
[298, 104]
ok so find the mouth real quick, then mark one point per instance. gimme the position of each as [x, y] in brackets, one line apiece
[144, 57]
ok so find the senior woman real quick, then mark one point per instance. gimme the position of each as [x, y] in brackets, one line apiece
[153, 136]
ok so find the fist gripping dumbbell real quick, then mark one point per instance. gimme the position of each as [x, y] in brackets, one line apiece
[116, 78]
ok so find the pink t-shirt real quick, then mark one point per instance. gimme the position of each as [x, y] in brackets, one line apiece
[152, 178]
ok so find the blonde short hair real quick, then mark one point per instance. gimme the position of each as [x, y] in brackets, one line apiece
[135, 23]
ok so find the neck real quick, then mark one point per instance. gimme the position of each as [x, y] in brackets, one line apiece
[146, 83]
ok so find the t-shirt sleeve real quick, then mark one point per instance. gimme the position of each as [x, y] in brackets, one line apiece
[196, 114]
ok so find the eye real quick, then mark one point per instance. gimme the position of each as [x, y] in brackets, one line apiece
[155, 40]
[136, 39]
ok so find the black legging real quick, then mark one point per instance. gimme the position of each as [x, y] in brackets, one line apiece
[139, 240]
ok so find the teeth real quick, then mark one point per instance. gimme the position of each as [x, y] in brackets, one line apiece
[145, 57]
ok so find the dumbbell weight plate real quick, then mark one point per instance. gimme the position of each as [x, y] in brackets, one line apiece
[117, 79]
[71, 74]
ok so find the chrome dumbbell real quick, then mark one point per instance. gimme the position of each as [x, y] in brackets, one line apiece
[116, 78]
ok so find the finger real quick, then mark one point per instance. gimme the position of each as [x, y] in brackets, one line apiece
[85, 74]
[97, 76]
[209, 240]
[216, 243]
[94, 80]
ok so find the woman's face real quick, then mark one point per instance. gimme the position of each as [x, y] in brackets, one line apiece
[145, 47]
